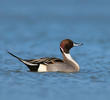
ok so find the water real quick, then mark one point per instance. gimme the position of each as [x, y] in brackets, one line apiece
[33, 29]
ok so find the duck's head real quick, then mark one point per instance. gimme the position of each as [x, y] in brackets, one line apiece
[67, 44]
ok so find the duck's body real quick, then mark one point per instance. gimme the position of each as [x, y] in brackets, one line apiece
[54, 64]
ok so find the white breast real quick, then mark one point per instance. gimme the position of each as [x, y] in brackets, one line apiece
[42, 68]
[68, 56]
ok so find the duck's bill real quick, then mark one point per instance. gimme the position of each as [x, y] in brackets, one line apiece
[77, 44]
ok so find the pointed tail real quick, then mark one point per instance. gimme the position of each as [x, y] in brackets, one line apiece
[31, 66]
[15, 56]
[26, 62]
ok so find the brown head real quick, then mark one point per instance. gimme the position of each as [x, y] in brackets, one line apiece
[67, 44]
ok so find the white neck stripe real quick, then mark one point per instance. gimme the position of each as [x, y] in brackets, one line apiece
[68, 56]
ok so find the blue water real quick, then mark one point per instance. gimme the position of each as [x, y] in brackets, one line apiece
[34, 28]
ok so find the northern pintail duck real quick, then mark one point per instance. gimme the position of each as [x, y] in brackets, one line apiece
[67, 64]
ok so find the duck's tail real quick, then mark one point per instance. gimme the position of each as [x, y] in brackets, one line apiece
[15, 56]
[31, 66]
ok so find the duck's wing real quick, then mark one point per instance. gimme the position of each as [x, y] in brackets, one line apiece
[33, 64]
[45, 60]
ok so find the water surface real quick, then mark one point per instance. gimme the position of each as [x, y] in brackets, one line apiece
[33, 29]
